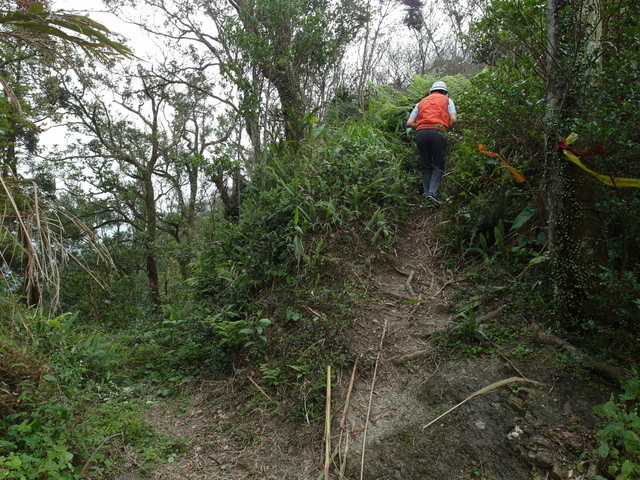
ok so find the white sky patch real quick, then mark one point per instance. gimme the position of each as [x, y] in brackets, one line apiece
[142, 45]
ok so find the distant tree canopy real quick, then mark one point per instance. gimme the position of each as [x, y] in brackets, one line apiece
[32, 39]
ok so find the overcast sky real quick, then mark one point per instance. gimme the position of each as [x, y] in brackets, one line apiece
[139, 42]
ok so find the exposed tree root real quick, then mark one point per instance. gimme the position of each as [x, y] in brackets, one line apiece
[608, 372]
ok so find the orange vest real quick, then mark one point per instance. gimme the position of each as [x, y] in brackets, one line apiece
[433, 112]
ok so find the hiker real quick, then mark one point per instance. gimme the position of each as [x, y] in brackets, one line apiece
[434, 115]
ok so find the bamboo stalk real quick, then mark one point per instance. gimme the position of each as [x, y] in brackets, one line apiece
[373, 383]
[342, 458]
[327, 427]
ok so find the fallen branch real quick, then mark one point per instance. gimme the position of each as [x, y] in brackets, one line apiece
[444, 286]
[510, 362]
[487, 389]
[93, 454]
[258, 387]
[408, 283]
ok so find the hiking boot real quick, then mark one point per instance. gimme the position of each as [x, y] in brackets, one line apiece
[433, 198]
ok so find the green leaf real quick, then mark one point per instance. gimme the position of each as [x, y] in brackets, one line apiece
[523, 217]
[35, 8]
[603, 450]
[96, 44]
[6, 445]
[631, 441]
[14, 462]
[298, 249]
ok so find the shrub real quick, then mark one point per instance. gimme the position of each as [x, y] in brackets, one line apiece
[620, 437]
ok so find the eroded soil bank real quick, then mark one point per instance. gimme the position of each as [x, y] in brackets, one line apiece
[534, 426]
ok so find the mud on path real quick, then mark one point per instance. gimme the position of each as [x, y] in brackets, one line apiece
[535, 428]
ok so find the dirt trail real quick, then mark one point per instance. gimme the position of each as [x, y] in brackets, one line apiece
[521, 431]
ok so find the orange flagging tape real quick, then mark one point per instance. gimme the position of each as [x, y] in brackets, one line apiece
[513, 171]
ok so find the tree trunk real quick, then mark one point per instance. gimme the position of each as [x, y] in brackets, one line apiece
[152, 276]
[576, 240]
[291, 102]
[151, 234]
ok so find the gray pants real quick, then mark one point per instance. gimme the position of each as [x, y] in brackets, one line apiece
[432, 145]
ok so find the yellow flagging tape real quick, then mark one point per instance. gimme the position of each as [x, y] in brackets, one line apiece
[513, 171]
[606, 179]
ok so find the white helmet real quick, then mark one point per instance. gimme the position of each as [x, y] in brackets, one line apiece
[438, 86]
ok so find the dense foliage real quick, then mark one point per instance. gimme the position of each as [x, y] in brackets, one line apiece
[228, 257]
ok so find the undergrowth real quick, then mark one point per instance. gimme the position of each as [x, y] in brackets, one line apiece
[80, 414]
[619, 439]
[270, 295]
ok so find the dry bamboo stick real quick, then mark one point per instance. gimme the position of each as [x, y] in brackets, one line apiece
[344, 434]
[373, 384]
[327, 427]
